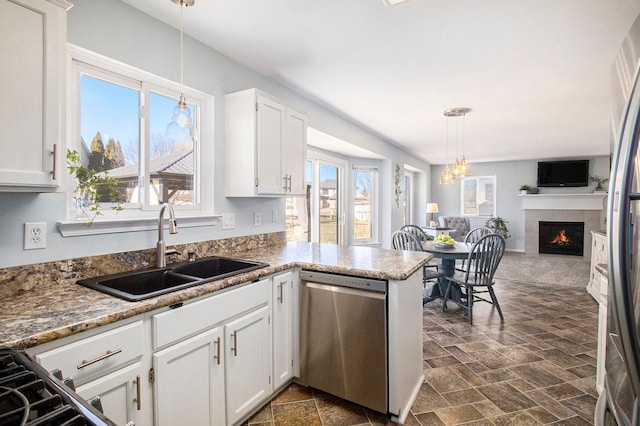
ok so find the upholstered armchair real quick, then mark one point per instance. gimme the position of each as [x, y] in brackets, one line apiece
[459, 225]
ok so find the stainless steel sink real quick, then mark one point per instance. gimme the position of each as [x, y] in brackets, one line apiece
[139, 285]
[218, 267]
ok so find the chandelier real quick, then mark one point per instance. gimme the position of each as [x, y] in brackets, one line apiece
[460, 168]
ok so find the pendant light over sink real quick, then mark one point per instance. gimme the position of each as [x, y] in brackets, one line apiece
[181, 126]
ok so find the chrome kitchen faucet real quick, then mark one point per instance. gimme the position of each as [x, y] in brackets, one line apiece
[161, 248]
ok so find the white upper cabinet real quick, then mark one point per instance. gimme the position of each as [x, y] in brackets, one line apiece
[266, 145]
[32, 96]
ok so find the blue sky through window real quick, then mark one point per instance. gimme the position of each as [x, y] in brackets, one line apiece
[112, 110]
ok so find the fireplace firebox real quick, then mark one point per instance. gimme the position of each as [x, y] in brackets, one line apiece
[565, 238]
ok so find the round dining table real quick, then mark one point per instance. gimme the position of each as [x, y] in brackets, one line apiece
[448, 256]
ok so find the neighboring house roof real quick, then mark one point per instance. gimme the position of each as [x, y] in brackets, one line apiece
[180, 163]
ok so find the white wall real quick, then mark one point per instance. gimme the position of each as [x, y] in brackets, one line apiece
[510, 175]
[116, 30]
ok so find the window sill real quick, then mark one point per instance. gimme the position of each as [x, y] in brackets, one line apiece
[75, 228]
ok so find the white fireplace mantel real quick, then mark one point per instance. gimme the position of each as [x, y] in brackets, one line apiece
[584, 201]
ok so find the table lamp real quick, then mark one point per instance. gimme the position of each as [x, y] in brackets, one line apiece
[432, 208]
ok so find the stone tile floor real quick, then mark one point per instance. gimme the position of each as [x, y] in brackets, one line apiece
[536, 367]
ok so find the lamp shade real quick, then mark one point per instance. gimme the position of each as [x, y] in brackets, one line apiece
[432, 207]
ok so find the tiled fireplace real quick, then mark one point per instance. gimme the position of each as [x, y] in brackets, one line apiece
[560, 237]
[585, 209]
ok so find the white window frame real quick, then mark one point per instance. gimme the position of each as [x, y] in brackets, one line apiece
[477, 180]
[316, 159]
[408, 190]
[138, 216]
[375, 205]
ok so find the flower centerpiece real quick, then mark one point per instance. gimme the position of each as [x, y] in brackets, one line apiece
[91, 187]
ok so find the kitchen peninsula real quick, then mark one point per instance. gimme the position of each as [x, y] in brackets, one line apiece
[61, 309]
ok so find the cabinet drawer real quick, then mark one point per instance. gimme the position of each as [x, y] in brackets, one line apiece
[177, 324]
[97, 355]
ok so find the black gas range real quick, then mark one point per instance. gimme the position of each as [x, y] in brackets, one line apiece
[29, 395]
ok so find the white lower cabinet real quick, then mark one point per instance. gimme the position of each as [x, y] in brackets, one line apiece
[119, 393]
[189, 382]
[283, 326]
[212, 364]
[108, 363]
[211, 361]
[248, 362]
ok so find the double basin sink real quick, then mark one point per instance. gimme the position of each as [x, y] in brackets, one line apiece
[147, 283]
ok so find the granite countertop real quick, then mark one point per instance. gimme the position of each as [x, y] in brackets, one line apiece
[58, 309]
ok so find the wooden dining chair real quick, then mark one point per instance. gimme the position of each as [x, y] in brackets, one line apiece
[422, 236]
[473, 236]
[403, 240]
[476, 233]
[482, 262]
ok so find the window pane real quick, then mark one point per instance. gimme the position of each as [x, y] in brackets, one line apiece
[109, 130]
[478, 196]
[171, 167]
[328, 204]
[407, 190]
[362, 223]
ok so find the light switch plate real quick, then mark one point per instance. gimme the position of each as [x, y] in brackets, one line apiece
[228, 220]
[257, 219]
[35, 235]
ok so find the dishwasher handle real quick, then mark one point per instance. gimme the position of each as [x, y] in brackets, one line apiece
[345, 290]
[367, 284]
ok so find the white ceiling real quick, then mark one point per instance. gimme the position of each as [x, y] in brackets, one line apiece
[534, 72]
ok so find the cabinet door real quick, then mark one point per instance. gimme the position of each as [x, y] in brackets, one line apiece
[189, 382]
[282, 329]
[269, 161]
[33, 35]
[295, 151]
[248, 362]
[119, 393]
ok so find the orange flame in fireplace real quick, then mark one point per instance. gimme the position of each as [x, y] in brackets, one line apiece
[561, 239]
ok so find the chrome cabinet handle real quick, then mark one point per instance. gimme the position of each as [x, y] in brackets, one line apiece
[55, 161]
[234, 348]
[97, 359]
[137, 399]
[289, 183]
[217, 356]
[280, 299]
[285, 187]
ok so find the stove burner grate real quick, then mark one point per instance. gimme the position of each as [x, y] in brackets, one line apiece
[28, 398]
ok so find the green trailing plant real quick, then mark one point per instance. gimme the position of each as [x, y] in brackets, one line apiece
[91, 186]
[498, 225]
[525, 188]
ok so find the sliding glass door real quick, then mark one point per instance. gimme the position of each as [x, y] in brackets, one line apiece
[319, 216]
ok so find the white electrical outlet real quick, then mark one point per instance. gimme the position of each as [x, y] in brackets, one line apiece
[274, 215]
[257, 219]
[35, 235]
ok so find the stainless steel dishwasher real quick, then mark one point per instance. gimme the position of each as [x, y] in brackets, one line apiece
[343, 337]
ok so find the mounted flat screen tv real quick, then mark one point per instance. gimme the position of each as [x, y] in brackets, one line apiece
[563, 173]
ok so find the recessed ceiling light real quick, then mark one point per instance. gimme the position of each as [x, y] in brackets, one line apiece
[392, 3]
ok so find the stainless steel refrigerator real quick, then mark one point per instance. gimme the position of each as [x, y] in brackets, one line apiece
[619, 403]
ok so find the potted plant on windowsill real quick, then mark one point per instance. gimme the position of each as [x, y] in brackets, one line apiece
[524, 189]
[91, 186]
